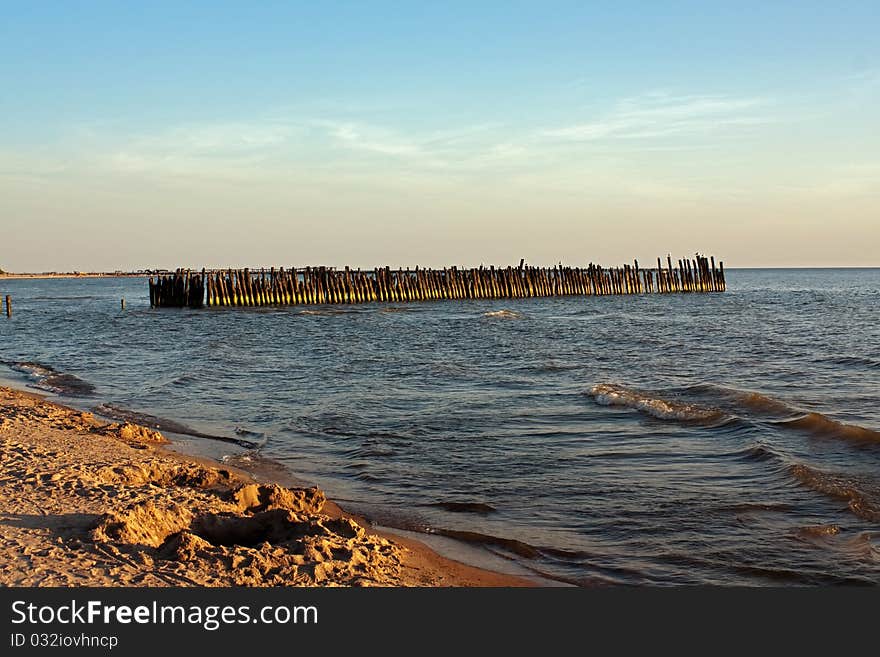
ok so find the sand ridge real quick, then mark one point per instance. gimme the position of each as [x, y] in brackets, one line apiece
[87, 503]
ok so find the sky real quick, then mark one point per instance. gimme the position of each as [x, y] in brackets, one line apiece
[166, 134]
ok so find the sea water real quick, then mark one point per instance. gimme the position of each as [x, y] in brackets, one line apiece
[728, 438]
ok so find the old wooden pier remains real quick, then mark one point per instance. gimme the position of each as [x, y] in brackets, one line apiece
[326, 285]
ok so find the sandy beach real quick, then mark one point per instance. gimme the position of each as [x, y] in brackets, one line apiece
[84, 502]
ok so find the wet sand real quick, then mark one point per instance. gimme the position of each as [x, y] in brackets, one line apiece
[87, 503]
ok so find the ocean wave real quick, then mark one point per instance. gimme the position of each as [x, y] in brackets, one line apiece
[760, 453]
[756, 401]
[367, 477]
[373, 451]
[818, 531]
[783, 415]
[465, 507]
[863, 545]
[663, 409]
[551, 366]
[824, 427]
[503, 314]
[746, 401]
[862, 498]
[329, 311]
[51, 380]
[745, 507]
[170, 426]
[852, 361]
[511, 545]
[239, 431]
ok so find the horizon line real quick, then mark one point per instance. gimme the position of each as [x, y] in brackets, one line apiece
[152, 271]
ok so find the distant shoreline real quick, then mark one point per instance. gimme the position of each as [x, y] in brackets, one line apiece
[79, 275]
[159, 272]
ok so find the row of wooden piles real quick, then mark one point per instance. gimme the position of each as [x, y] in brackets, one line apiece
[317, 285]
[181, 289]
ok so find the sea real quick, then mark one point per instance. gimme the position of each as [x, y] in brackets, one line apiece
[689, 439]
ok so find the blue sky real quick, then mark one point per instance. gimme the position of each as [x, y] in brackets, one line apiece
[403, 134]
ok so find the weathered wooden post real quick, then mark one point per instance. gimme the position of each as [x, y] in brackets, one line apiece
[8, 306]
[329, 285]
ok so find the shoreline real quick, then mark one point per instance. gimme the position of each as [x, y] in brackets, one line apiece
[44, 275]
[92, 503]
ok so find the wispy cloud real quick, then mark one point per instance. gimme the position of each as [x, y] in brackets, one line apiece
[657, 115]
[219, 139]
[280, 144]
[370, 138]
[220, 148]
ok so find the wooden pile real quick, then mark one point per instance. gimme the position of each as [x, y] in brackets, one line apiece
[324, 285]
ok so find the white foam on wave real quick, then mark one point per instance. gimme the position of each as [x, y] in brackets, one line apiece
[663, 409]
[326, 311]
[507, 314]
[50, 380]
[33, 369]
